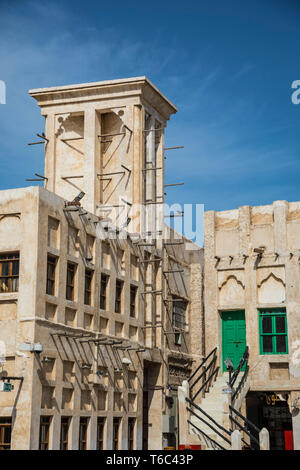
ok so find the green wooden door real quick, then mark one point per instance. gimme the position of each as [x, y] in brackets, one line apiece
[233, 336]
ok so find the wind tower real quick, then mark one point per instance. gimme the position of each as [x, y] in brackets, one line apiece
[106, 140]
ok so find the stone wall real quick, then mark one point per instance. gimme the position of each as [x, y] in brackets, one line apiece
[252, 263]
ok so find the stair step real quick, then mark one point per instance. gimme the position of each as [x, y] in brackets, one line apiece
[217, 400]
[209, 445]
[219, 385]
[216, 418]
[214, 415]
[212, 404]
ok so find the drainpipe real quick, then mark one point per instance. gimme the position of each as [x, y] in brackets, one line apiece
[203, 306]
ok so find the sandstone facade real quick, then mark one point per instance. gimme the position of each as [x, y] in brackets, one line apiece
[252, 266]
[90, 336]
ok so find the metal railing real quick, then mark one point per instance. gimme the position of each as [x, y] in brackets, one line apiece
[211, 423]
[234, 375]
[207, 437]
[247, 427]
[238, 421]
[210, 369]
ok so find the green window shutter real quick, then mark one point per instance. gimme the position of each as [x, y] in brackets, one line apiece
[273, 331]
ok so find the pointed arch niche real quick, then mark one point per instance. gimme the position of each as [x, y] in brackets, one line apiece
[231, 287]
[271, 285]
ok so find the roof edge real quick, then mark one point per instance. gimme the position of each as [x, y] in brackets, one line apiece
[36, 92]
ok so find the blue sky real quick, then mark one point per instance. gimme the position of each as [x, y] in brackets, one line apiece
[227, 65]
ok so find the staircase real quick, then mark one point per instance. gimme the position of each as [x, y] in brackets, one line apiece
[212, 405]
[207, 413]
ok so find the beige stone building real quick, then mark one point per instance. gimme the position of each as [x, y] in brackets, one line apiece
[252, 298]
[95, 297]
[105, 310]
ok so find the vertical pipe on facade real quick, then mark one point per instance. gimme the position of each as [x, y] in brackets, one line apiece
[203, 304]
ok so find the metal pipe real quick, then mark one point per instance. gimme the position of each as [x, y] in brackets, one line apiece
[145, 244]
[151, 292]
[41, 176]
[152, 202]
[33, 179]
[209, 425]
[206, 436]
[174, 271]
[113, 173]
[69, 177]
[11, 378]
[110, 135]
[149, 260]
[42, 136]
[149, 326]
[125, 167]
[171, 148]
[174, 243]
[72, 138]
[155, 168]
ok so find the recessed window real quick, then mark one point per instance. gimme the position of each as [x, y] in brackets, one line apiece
[73, 241]
[103, 291]
[134, 267]
[177, 339]
[179, 318]
[5, 433]
[121, 261]
[105, 255]
[64, 433]
[71, 270]
[131, 424]
[88, 287]
[133, 291]
[179, 313]
[90, 242]
[44, 432]
[273, 331]
[118, 301]
[100, 433]
[51, 266]
[83, 426]
[116, 433]
[53, 226]
[9, 272]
